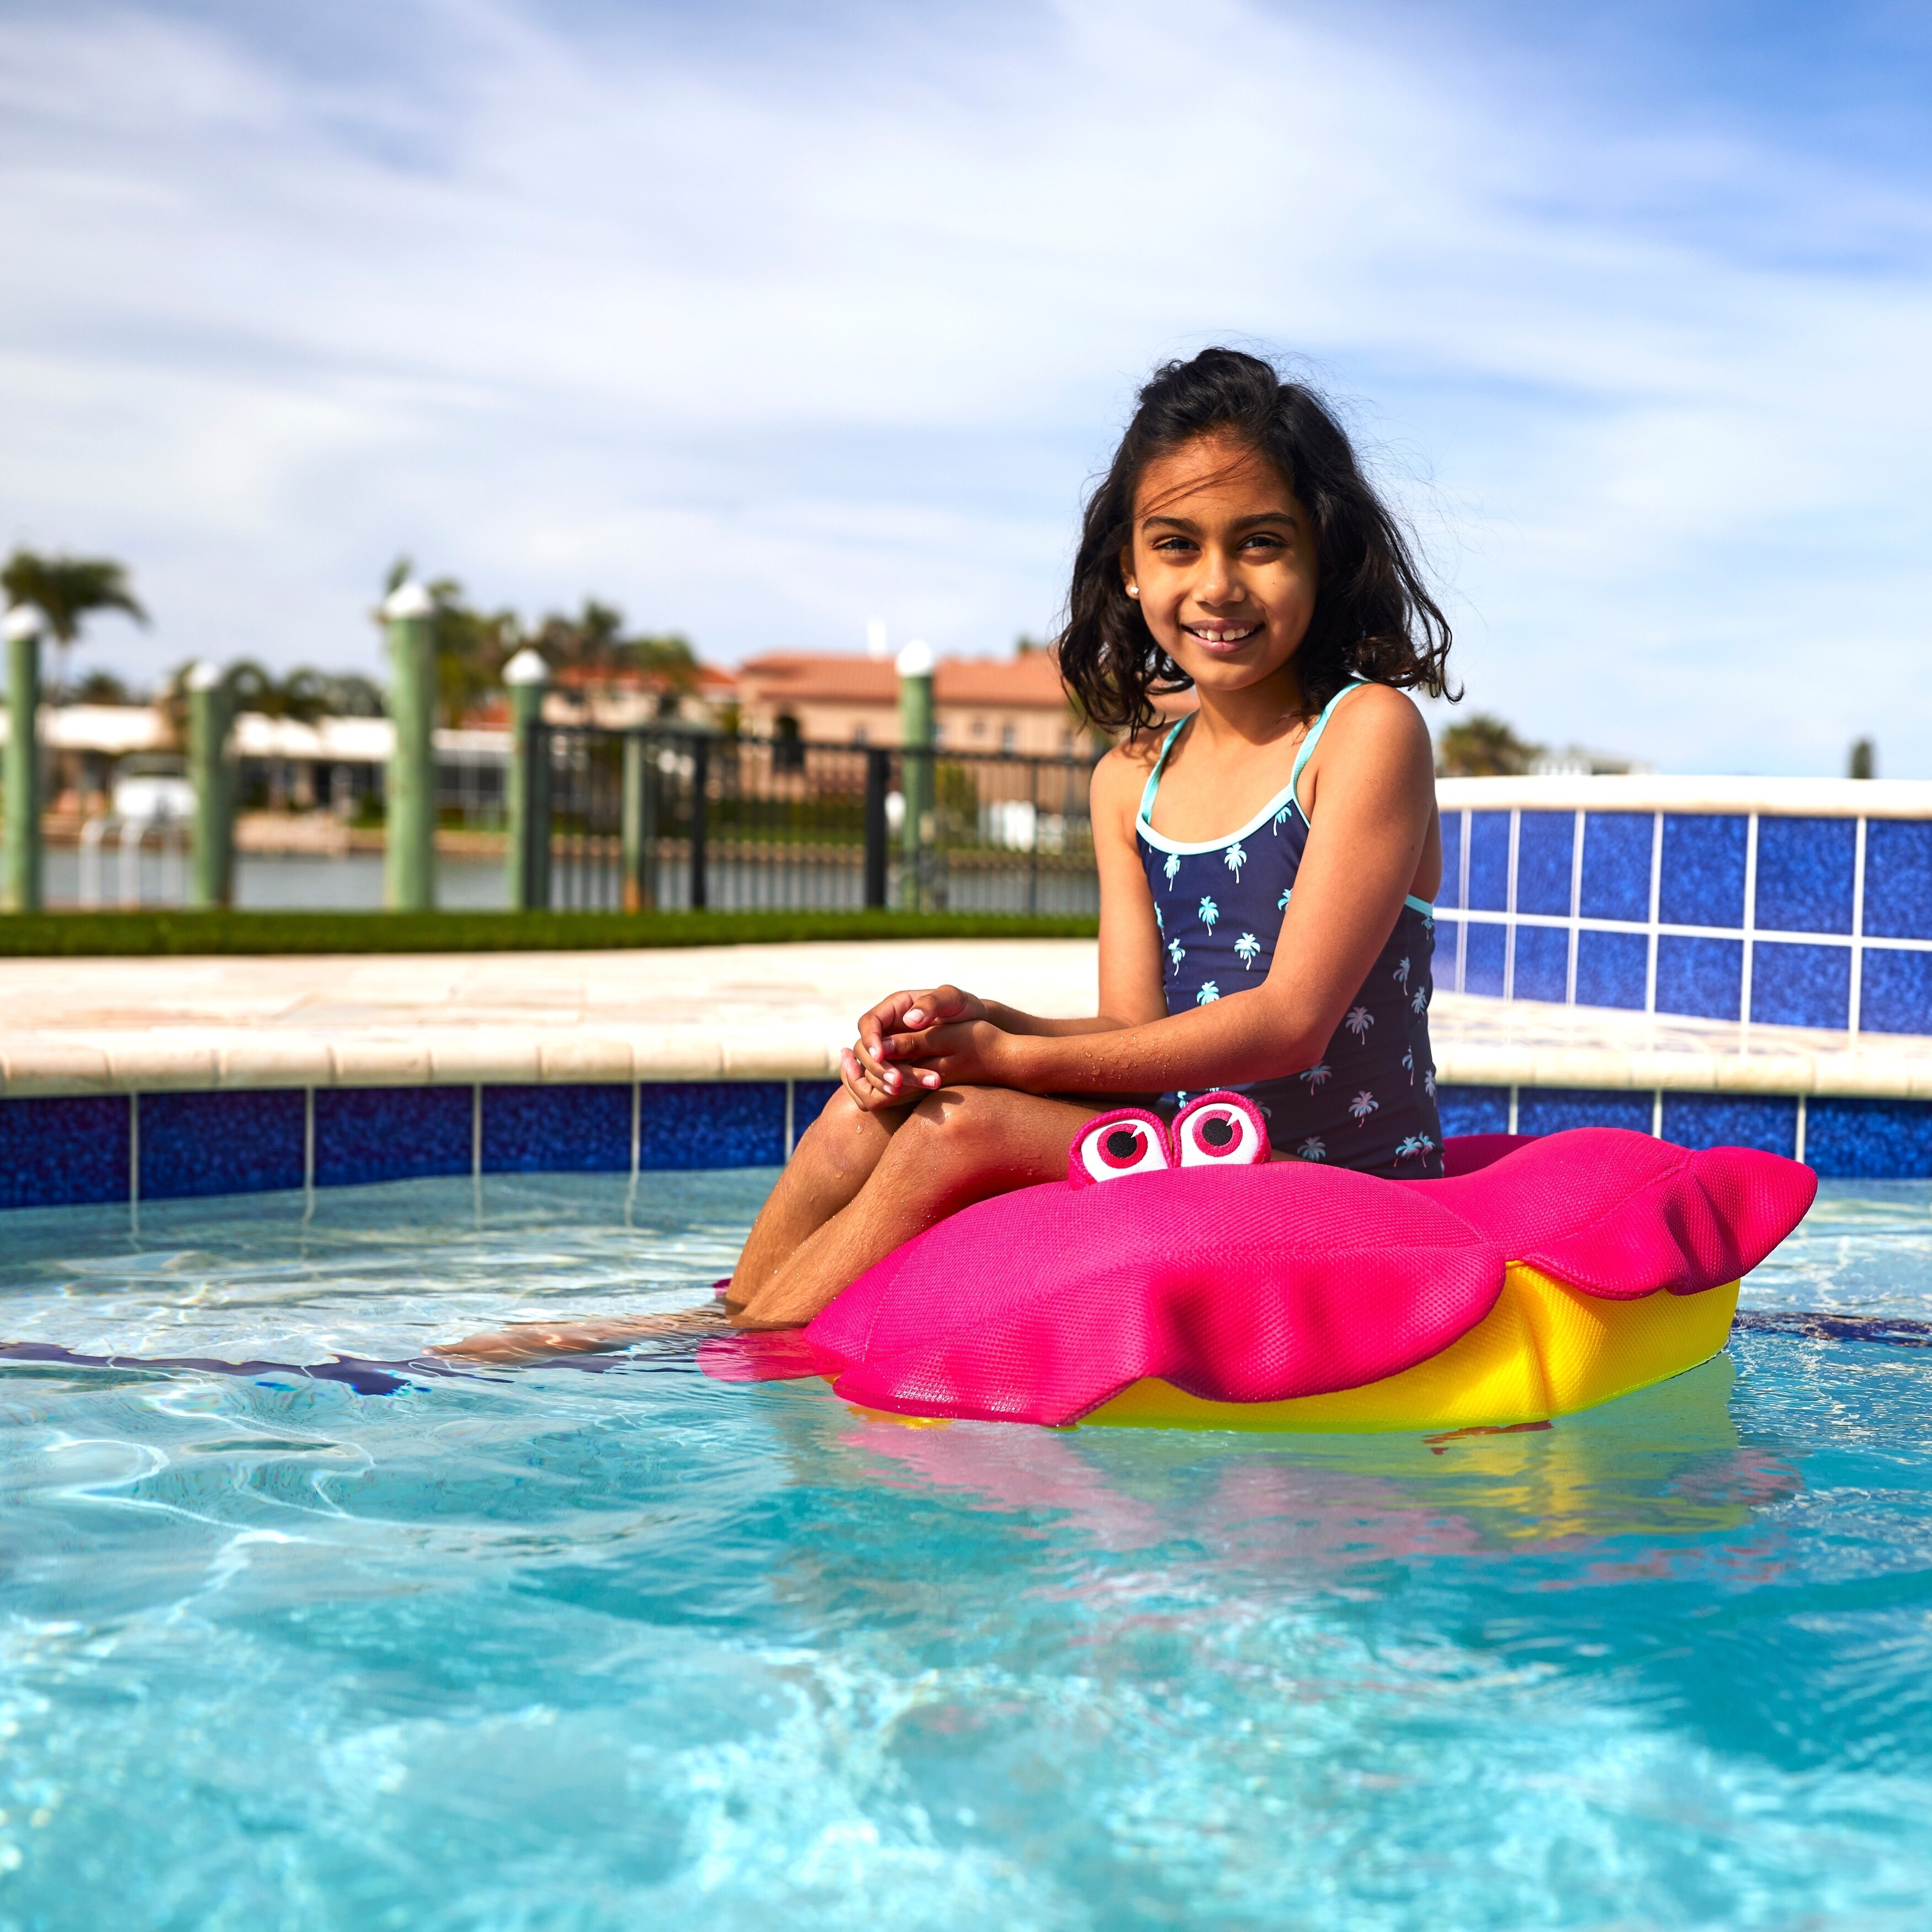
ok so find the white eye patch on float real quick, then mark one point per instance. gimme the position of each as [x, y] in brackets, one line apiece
[1220, 1130]
[1130, 1140]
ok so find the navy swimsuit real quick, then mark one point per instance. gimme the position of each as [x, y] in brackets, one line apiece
[1369, 1102]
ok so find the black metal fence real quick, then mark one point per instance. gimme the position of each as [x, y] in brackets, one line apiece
[671, 819]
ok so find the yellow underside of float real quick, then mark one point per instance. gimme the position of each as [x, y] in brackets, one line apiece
[1544, 1350]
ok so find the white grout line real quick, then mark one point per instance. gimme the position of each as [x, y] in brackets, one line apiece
[1656, 888]
[1798, 1150]
[134, 1165]
[1657, 1115]
[1462, 901]
[1513, 1092]
[1751, 920]
[1509, 907]
[308, 1152]
[1576, 907]
[1854, 1010]
[791, 1098]
[476, 1131]
[636, 1127]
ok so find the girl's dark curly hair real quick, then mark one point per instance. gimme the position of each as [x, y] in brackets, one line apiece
[1374, 617]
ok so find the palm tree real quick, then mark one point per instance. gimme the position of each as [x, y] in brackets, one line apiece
[67, 590]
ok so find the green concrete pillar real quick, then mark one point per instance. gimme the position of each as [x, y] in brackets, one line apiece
[527, 677]
[409, 867]
[914, 665]
[210, 713]
[20, 889]
[641, 822]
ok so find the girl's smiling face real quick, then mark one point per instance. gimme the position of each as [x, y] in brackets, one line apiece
[1223, 563]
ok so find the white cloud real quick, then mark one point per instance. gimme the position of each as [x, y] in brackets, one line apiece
[760, 343]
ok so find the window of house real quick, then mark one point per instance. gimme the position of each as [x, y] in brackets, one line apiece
[1009, 738]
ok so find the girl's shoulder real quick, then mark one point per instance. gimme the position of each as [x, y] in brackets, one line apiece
[1376, 731]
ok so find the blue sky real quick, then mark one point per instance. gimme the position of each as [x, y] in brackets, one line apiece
[762, 321]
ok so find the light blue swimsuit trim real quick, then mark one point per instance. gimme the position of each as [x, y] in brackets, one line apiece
[1285, 796]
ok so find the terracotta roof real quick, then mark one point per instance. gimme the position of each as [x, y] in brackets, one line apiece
[1031, 682]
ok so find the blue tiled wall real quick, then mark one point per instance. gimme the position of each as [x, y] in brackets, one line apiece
[63, 1153]
[1553, 1110]
[1727, 1120]
[1870, 1140]
[557, 1130]
[740, 1123]
[236, 1142]
[1787, 889]
[392, 1133]
[1473, 1110]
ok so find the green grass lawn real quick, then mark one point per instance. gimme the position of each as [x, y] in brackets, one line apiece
[142, 934]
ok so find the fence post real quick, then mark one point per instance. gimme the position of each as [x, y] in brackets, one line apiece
[639, 823]
[878, 778]
[409, 857]
[527, 677]
[22, 887]
[700, 779]
[211, 881]
[914, 665]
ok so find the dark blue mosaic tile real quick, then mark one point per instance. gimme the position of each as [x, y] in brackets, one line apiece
[1554, 1110]
[1489, 861]
[1801, 985]
[1703, 881]
[1895, 991]
[571, 1129]
[1545, 842]
[1451, 892]
[1805, 868]
[1898, 878]
[1870, 1140]
[1473, 1110]
[809, 1099]
[1616, 865]
[1447, 931]
[391, 1133]
[227, 1143]
[713, 1123]
[59, 1153]
[1729, 1119]
[1482, 959]
[1611, 968]
[1704, 977]
[1542, 963]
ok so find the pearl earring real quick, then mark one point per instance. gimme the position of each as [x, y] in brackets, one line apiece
[1133, 590]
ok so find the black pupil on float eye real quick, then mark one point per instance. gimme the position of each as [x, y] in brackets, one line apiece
[1218, 1132]
[1123, 1143]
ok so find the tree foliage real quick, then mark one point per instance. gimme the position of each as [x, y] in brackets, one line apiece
[67, 590]
[1483, 747]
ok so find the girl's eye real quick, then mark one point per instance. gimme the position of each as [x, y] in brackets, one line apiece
[1128, 1142]
[1221, 1130]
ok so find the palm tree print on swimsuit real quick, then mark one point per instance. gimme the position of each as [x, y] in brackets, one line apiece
[1176, 952]
[1281, 904]
[1208, 994]
[1209, 913]
[1364, 1104]
[1235, 859]
[1400, 975]
[1358, 1022]
[1414, 1145]
[1315, 1076]
[1172, 869]
[1313, 1148]
[1247, 949]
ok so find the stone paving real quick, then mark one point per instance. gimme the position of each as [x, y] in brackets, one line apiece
[84, 1026]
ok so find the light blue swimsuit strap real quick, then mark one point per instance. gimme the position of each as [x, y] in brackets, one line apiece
[1153, 784]
[1308, 745]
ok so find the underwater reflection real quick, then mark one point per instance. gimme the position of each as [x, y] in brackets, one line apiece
[1666, 1461]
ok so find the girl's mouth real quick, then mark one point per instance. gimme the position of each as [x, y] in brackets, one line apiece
[1222, 636]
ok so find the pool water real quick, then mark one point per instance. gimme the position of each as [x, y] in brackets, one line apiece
[637, 1648]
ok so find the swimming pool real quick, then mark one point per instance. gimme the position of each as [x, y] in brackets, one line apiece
[564, 1649]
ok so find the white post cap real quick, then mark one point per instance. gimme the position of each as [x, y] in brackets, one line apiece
[877, 649]
[527, 667]
[24, 620]
[915, 661]
[407, 600]
[205, 675]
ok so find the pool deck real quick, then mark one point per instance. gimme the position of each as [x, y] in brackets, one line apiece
[106, 1026]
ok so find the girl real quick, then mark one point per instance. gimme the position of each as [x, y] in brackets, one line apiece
[1266, 865]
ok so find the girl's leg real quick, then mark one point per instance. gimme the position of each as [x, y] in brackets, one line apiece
[958, 1146]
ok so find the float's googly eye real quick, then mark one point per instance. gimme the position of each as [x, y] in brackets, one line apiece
[1221, 1130]
[1130, 1142]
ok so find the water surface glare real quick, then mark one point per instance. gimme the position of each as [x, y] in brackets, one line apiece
[558, 1649]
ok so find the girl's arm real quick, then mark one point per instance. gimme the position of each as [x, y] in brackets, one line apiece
[1377, 791]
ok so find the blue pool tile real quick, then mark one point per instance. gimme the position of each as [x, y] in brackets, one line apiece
[59, 1152]
[1703, 879]
[1870, 1140]
[1542, 963]
[225, 1143]
[1801, 985]
[808, 1101]
[1482, 959]
[1727, 1120]
[1447, 931]
[569, 1129]
[1895, 991]
[1489, 861]
[1805, 868]
[1473, 1110]
[391, 1133]
[716, 1123]
[1705, 977]
[1451, 893]
[1545, 842]
[1898, 878]
[1611, 968]
[1616, 865]
[1553, 1110]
